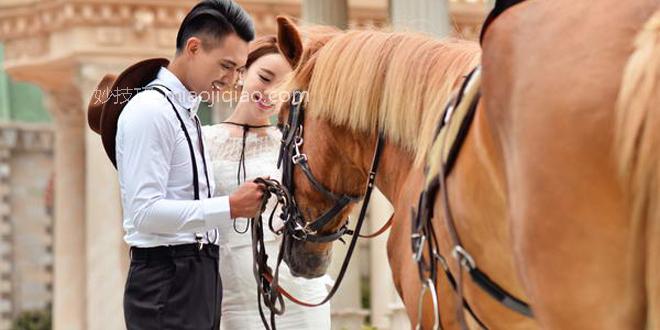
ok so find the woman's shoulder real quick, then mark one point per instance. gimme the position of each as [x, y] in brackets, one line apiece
[217, 133]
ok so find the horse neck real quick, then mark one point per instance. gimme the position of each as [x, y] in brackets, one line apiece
[396, 166]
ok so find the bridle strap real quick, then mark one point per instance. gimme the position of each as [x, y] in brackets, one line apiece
[380, 231]
[292, 156]
[304, 166]
[351, 248]
[328, 215]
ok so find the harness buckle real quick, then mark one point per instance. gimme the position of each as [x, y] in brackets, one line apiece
[428, 285]
[299, 232]
[298, 157]
[418, 242]
[441, 260]
[298, 142]
[463, 257]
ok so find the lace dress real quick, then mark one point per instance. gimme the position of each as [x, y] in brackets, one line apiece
[239, 303]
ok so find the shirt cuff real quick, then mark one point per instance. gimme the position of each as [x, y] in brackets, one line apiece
[216, 210]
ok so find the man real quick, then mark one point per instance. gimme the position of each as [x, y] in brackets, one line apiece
[169, 214]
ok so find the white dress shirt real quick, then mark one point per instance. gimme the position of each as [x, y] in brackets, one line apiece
[155, 170]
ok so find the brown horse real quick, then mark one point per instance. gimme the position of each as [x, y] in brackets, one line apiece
[362, 81]
[535, 191]
[552, 71]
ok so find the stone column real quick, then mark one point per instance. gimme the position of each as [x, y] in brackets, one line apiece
[398, 315]
[325, 12]
[346, 305]
[7, 251]
[421, 15]
[69, 229]
[106, 253]
[381, 284]
[346, 309]
[29, 168]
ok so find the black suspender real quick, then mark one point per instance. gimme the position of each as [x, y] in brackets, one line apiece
[198, 236]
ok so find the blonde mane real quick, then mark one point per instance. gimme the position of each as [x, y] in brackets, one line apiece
[398, 82]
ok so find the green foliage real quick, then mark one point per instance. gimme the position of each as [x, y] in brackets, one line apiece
[33, 320]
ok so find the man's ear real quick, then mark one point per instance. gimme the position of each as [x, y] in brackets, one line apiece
[193, 46]
[289, 40]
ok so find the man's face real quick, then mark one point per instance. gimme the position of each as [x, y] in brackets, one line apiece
[215, 68]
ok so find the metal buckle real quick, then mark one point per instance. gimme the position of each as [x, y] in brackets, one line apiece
[298, 230]
[428, 285]
[297, 158]
[418, 242]
[463, 257]
[299, 235]
[298, 141]
[441, 260]
[200, 243]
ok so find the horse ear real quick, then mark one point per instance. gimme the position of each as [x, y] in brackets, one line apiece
[289, 40]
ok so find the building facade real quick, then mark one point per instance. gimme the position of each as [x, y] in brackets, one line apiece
[26, 218]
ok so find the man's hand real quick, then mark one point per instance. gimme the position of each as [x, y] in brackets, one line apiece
[245, 202]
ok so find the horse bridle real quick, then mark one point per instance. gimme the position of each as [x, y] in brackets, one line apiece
[292, 156]
[269, 292]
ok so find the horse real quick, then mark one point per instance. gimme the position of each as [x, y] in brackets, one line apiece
[565, 118]
[360, 82]
[543, 199]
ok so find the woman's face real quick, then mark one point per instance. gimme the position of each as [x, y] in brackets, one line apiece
[260, 82]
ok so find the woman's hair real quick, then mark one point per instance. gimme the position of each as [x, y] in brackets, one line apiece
[261, 46]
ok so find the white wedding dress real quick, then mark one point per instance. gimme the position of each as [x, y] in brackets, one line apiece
[239, 303]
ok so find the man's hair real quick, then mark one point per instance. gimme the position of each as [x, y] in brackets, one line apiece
[214, 19]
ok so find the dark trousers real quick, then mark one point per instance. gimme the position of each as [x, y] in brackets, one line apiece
[173, 287]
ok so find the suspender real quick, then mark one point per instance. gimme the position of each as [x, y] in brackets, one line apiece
[154, 87]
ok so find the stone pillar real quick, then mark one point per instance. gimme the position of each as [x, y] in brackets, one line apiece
[398, 315]
[421, 15]
[105, 251]
[325, 12]
[69, 229]
[381, 284]
[29, 166]
[346, 305]
[7, 304]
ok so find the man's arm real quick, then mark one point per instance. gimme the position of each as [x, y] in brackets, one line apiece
[146, 138]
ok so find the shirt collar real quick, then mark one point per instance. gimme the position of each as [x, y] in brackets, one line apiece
[179, 93]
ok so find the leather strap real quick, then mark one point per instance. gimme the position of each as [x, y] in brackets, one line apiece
[154, 87]
[380, 231]
[260, 262]
[499, 8]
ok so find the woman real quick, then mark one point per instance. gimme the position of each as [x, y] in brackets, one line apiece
[244, 147]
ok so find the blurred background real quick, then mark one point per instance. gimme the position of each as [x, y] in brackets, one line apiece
[62, 258]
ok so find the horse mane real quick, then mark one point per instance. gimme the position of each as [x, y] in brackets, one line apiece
[393, 81]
